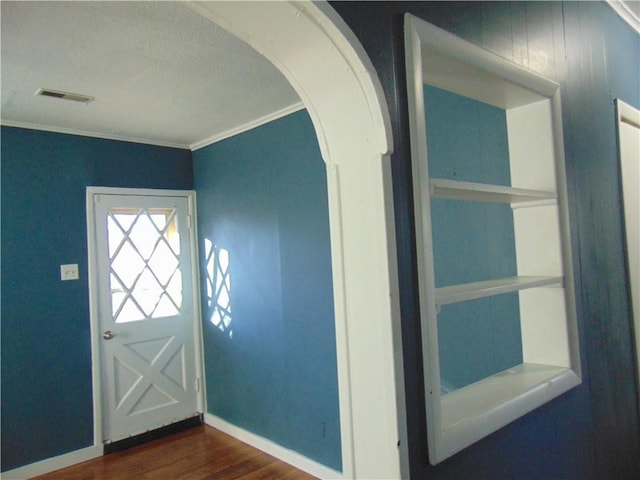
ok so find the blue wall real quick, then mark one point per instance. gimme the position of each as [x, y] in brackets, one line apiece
[262, 197]
[46, 352]
[472, 241]
[593, 431]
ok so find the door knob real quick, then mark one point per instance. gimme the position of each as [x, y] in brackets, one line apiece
[108, 335]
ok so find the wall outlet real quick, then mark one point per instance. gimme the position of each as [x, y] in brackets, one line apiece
[69, 272]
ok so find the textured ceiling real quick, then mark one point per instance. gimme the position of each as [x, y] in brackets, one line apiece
[160, 73]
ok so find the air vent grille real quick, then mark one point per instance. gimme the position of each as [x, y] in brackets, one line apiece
[74, 97]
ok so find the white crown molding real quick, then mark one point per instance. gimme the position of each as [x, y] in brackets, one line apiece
[82, 133]
[248, 126]
[195, 146]
[625, 12]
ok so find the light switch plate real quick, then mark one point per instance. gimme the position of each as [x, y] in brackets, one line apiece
[69, 272]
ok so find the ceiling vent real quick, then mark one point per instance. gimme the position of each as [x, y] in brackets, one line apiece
[74, 97]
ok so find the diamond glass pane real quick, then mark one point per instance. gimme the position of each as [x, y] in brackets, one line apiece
[173, 240]
[129, 312]
[144, 235]
[163, 262]
[118, 293]
[127, 265]
[174, 288]
[125, 220]
[146, 281]
[165, 307]
[147, 292]
[159, 220]
[116, 236]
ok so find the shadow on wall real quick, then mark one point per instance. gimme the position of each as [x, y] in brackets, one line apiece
[218, 287]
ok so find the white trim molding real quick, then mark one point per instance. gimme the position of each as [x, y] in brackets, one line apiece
[96, 367]
[275, 450]
[258, 122]
[193, 147]
[340, 89]
[625, 11]
[83, 133]
[628, 119]
[550, 360]
[54, 463]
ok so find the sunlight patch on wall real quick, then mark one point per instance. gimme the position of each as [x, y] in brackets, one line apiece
[218, 287]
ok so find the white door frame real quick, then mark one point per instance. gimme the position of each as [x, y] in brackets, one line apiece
[331, 72]
[628, 120]
[94, 311]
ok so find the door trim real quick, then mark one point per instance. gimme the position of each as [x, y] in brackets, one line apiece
[629, 183]
[96, 367]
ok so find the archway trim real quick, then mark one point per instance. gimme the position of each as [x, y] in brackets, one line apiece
[322, 59]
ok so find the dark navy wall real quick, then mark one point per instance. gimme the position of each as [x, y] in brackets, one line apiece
[592, 432]
[46, 351]
[262, 197]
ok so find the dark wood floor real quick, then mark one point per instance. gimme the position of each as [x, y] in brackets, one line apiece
[197, 453]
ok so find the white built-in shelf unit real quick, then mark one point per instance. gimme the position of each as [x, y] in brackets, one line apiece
[537, 196]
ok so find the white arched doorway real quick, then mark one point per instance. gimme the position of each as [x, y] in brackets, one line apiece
[315, 50]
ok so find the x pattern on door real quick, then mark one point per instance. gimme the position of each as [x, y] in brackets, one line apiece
[148, 375]
[143, 253]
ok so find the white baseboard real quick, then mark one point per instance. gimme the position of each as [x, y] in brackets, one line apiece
[281, 453]
[54, 463]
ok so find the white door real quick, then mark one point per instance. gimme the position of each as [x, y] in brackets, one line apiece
[144, 287]
[629, 144]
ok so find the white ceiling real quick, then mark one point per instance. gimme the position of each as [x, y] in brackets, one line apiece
[160, 73]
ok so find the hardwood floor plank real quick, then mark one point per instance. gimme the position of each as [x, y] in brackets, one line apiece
[199, 453]
[278, 470]
[236, 470]
[203, 464]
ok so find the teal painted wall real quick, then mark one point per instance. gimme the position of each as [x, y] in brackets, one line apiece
[261, 194]
[591, 432]
[262, 197]
[46, 352]
[472, 241]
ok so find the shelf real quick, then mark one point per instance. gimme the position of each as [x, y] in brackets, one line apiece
[474, 411]
[481, 192]
[471, 291]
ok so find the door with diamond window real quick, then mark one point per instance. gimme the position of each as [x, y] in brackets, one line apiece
[145, 303]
